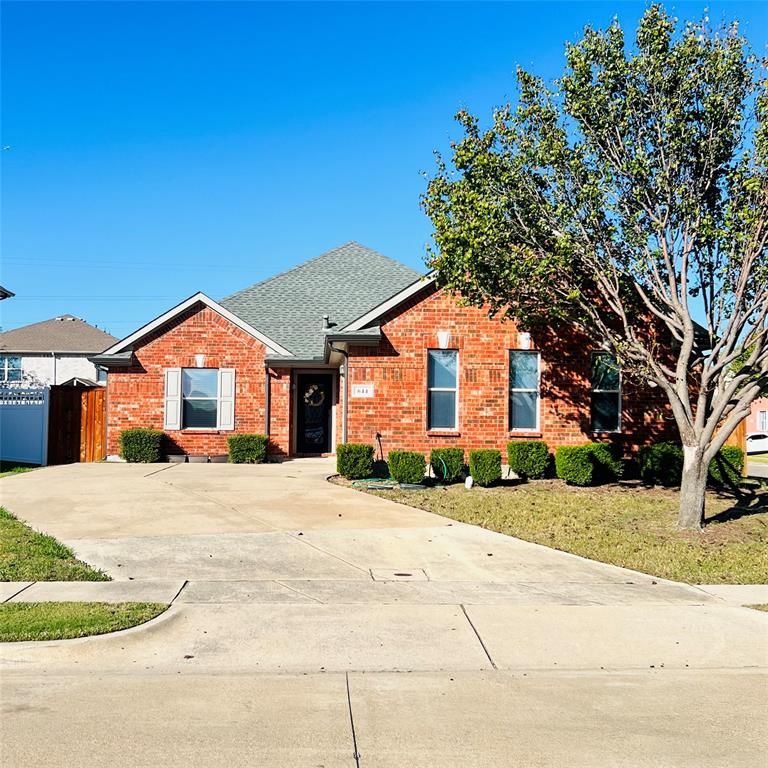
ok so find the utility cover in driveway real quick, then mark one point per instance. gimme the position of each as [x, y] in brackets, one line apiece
[400, 574]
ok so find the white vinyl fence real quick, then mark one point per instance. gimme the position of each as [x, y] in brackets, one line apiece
[24, 424]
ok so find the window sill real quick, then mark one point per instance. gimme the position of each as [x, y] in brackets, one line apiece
[443, 433]
[605, 432]
[202, 431]
[523, 433]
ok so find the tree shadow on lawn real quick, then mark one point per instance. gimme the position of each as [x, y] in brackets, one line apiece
[746, 502]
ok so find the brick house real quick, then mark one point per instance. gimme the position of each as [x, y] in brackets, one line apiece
[352, 344]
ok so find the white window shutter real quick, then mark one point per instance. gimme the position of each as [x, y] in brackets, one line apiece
[226, 398]
[172, 398]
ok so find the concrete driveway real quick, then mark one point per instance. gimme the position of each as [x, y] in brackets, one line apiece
[314, 625]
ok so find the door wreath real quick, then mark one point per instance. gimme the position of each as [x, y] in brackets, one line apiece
[314, 396]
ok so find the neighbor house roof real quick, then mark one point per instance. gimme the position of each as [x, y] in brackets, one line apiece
[5, 293]
[59, 334]
[344, 283]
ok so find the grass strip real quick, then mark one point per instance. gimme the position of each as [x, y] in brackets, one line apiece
[61, 621]
[26, 555]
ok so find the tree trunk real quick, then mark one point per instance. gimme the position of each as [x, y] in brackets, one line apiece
[692, 488]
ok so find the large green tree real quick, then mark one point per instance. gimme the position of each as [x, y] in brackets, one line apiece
[629, 197]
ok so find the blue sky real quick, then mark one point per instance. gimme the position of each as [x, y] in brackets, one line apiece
[157, 149]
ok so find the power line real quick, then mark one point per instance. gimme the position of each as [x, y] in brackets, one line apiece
[50, 261]
[83, 297]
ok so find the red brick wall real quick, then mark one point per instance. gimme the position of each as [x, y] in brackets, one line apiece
[280, 405]
[398, 370]
[135, 397]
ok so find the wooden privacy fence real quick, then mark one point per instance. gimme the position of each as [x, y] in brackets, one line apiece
[739, 438]
[77, 424]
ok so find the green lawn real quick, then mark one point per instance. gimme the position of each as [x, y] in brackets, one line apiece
[26, 555]
[61, 621]
[759, 607]
[760, 458]
[625, 525]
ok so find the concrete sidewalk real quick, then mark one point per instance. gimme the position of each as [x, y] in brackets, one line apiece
[738, 594]
[307, 637]
[311, 625]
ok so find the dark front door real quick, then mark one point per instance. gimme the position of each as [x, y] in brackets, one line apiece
[313, 423]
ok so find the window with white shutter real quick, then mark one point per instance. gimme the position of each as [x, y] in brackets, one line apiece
[172, 418]
[226, 398]
[200, 398]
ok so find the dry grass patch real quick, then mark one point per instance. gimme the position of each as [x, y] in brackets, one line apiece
[625, 524]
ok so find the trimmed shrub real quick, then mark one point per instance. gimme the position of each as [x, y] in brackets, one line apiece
[574, 465]
[140, 445]
[407, 466]
[661, 464]
[590, 464]
[485, 465]
[247, 448]
[528, 458]
[447, 463]
[727, 466]
[354, 460]
[608, 464]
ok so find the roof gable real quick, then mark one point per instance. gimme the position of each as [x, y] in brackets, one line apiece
[59, 334]
[377, 312]
[198, 298]
[343, 283]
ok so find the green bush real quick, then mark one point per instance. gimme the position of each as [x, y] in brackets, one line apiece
[141, 445]
[661, 464]
[354, 460]
[590, 464]
[247, 449]
[608, 464]
[727, 466]
[447, 463]
[528, 458]
[485, 465]
[407, 466]
[574, 465]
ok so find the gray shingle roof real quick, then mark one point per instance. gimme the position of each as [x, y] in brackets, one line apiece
[59, 334]
[344, 284]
